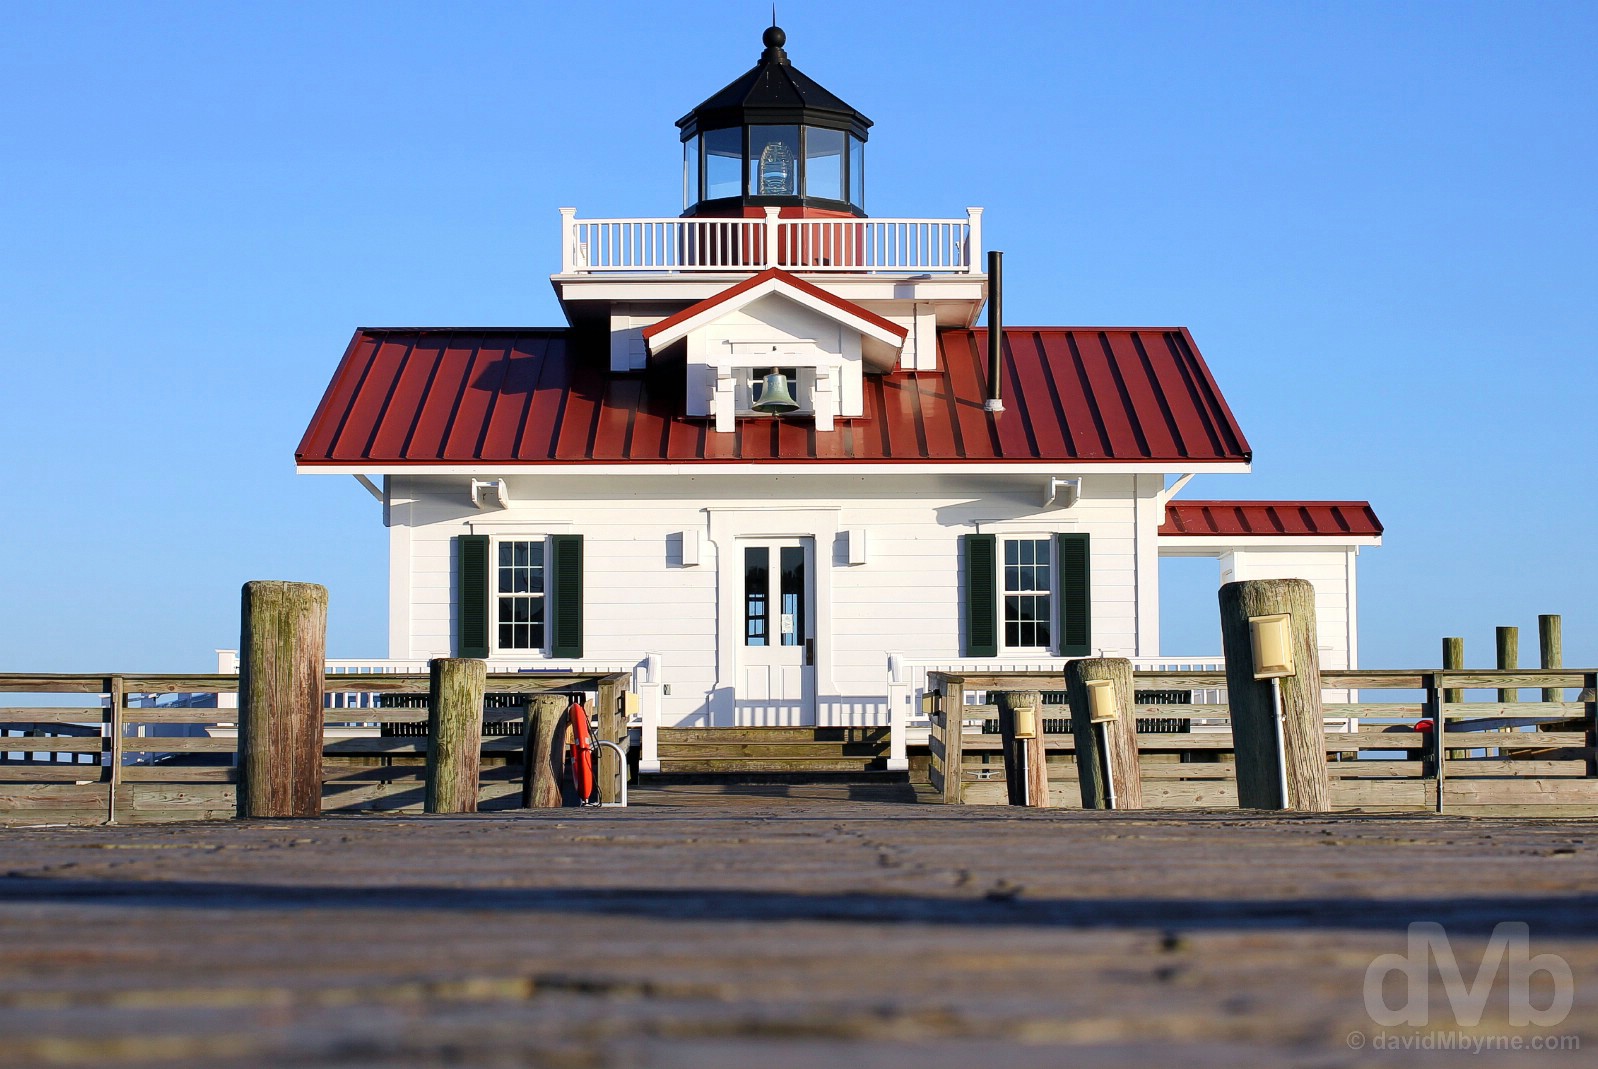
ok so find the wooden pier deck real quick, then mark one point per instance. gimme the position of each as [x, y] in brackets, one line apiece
[768, 926]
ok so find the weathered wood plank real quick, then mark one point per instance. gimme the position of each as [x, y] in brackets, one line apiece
[1014, 681]
[49, 714]
[52, 744]
[1523, 791]
[178, 744]
[39, 772]
[177, 774]
[1529, 710]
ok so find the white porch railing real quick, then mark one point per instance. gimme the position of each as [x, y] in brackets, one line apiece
[863, 246]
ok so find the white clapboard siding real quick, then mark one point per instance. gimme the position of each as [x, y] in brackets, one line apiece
[640, 599]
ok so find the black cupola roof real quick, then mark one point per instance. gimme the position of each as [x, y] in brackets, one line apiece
[774, 91]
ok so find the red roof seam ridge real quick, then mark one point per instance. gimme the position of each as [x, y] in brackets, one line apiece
[1183, 359]
[319, 414]
[1134, 423]
[1085, 384]
[1216, 399]
[355, 393]
[1162, 400]
[388, 397]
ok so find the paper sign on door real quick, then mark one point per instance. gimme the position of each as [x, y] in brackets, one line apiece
[787, 623]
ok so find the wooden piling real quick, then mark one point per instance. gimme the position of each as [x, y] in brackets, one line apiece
[543, 753]
[1116, 738]
[282, 662]
[1453, 660]
[1253, 709]
[951, 714]
[1508, 657]
[116, 709]
[1026, 770]
[611, 771]
[1550, 654]
[454, 734]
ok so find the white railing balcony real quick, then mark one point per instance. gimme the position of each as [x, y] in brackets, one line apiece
[860, 246]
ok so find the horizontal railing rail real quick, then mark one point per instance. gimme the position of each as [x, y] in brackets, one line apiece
[672, 245]
[131, 756]
[1403, 754]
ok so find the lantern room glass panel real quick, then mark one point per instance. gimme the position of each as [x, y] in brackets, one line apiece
[774, 161]
[857, 172]
[824, 151]
[690, 171]
[724, 159]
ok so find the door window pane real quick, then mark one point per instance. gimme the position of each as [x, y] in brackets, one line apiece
[792, 622]
[757, 596]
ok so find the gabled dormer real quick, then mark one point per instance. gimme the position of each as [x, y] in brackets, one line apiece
[775, 323]
[773, 178]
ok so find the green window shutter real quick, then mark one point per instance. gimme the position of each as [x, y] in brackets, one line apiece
[472, 609]
[981, 596]
[1076, 594]
[566, 595]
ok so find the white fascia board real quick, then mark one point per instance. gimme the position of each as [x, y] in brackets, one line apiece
[1206, 545]
[789, 292]
[760, 468]
[695, 286]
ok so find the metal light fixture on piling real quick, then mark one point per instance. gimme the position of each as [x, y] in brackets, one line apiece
[1026, 721]
[775, 400]
[1271, 641]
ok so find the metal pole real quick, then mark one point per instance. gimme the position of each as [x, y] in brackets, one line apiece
[621, 756]
[1109, 771]
[1281, 740]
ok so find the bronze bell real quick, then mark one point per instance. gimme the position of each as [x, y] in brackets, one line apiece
[775, 400]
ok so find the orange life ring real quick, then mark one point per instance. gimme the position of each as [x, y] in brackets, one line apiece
[582, 757]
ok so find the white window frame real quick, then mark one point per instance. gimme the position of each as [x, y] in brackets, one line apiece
[496, 649]
[1050, 596]
[801, 383]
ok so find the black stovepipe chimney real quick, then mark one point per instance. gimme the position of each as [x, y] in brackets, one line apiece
[995, 329]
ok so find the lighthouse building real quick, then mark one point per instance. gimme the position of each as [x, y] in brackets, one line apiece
[776, 467]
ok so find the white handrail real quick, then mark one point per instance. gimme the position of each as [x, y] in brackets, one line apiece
[869, 245]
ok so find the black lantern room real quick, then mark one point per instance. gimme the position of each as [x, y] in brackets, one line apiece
[774, 138]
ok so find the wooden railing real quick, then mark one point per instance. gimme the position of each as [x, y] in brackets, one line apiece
[373, 758]
[672, 245]
[1478, 757]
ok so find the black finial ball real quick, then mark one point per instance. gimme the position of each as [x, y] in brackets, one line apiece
[774, 37]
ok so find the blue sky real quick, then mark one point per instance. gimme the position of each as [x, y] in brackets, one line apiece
[1378, 220]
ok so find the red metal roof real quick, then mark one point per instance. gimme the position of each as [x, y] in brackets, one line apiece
[1270, 518]
[788, 279]
[527, 396]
